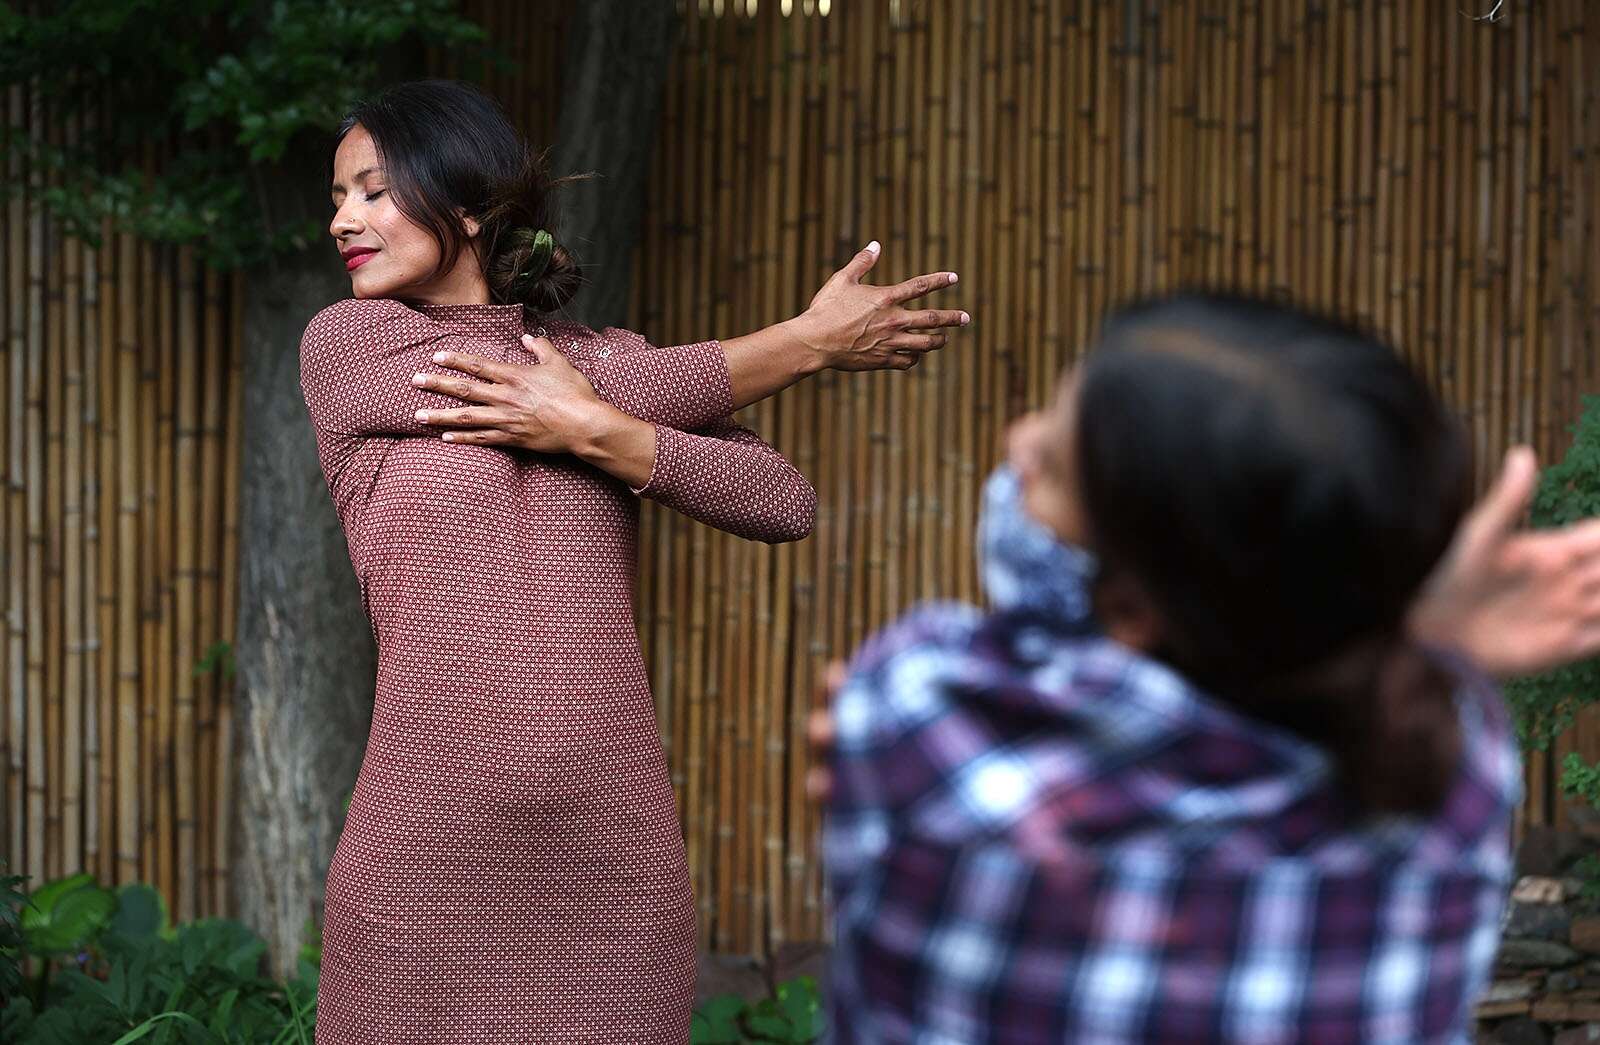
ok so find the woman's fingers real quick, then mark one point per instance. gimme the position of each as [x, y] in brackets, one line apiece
[466, 417]
[917, 286]
[933, 318]
[460, 387]
[857, 267]
[475, 365]
[544, 351]
[480, 437]
[916, 341]
[1500, 512]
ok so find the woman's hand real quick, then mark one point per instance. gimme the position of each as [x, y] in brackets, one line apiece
[1516, 601]
[856, 326]
[548, 407]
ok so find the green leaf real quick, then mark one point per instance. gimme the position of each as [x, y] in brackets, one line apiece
[141, 911]
[717, 1021]
[62, 1026]
[150, 1025]
[46, 896]
[16, 1018]
[66, 914]
[219, 655]
[803, 1007]
[223, 1011]
[767, 1022]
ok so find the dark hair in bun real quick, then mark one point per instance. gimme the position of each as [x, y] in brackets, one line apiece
[449, 151]
[1282, 484]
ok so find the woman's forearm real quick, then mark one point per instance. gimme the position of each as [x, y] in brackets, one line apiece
[618, 445]
[724, 476]
[771, 359]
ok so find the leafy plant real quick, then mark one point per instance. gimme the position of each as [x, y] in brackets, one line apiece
[792, 1016]
[1546, 705]
[219, 658]
[125, 974]
[11, 901]
[235, 81]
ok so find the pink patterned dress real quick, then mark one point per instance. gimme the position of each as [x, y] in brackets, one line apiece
[511, 867]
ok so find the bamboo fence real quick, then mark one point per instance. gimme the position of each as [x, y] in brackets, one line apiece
[1430, 174]
[1434, 176]
[119, 401]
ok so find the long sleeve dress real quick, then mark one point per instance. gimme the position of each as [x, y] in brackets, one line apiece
[511, 867]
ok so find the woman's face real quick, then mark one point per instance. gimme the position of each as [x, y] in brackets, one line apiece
[1041, 448]
[392, 257]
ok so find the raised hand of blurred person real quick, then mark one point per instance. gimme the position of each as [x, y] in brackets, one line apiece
[819, 734]
[1516, 601]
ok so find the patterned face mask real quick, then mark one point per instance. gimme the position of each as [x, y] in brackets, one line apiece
[1023, 564]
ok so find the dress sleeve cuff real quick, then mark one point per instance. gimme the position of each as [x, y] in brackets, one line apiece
[667, 467]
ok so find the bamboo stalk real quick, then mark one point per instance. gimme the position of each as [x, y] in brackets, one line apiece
[150, 565]
[71, 482]
[170, 709]
[222, 900]
[13, 508]
[96, 848]
[11, 416]
[213, 363]
[52, 595]
[130, 792]
[34, 599]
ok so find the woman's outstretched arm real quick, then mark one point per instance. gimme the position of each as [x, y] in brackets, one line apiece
[849, 325]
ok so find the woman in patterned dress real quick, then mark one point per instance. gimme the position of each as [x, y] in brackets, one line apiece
[511, 867]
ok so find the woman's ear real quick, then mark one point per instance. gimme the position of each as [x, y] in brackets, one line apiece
[1128, 614]
[469, 224]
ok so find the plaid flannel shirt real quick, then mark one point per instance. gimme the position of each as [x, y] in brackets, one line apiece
[1037, 835]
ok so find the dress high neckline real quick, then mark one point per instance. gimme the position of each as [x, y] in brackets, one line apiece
[490, 322]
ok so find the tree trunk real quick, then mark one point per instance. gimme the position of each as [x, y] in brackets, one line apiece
[304, 651]
[617, 52]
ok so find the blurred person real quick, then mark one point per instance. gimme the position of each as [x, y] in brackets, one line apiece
[1224, 761]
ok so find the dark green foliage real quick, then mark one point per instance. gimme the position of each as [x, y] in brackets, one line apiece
[113, 970]
[792, 1017]
[1569, 490]
[11, 901]
[219, 658]
[1546, 705]
[235, 81]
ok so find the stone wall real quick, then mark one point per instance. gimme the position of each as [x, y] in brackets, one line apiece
[1546, 985]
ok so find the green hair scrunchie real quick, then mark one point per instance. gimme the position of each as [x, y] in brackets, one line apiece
[544, 246]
